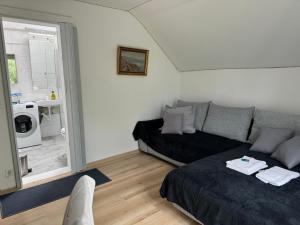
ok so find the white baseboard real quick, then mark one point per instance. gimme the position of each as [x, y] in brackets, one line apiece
[45, 175]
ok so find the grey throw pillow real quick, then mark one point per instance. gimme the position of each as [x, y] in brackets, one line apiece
[288, 153]
[264, 118]
[172, 123]
[229, 122]
[201, 109]
[188, 117]
[270, 138]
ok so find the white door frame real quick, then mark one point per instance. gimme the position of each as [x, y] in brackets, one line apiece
[9, 111]
[70, 59]
[72, 94]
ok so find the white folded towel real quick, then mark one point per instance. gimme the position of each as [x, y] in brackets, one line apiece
[277, 176]
[246, 165]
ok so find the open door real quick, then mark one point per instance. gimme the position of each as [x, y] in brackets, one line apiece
[10, 179]
[71, 69]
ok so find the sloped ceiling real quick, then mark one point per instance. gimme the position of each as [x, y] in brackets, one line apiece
[117, 4]
[218, 34]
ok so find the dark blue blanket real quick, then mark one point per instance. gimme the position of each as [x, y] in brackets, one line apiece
[217, 195]
[184, 148]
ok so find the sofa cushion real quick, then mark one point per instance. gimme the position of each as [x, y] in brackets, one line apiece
[288, 153]
[188, 117]
[228, 122]
[270, 138]
[273, 119]
[172, 123]
[201, 109]
[188, 148]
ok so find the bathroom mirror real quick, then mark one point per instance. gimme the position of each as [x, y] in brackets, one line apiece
[43, 59]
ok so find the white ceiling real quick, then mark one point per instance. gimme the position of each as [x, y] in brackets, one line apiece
[218, 34]
[117, 4]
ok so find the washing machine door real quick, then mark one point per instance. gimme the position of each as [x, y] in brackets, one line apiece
[25, 124]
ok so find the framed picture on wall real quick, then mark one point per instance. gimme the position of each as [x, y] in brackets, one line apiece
[132, 61]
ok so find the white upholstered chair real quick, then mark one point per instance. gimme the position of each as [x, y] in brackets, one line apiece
[79, 210]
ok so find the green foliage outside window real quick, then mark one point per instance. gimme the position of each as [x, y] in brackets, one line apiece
[12, 69]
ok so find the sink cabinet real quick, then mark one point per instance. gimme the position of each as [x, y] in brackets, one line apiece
[51, 122]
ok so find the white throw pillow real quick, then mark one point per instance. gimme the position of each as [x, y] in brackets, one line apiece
[80, 206]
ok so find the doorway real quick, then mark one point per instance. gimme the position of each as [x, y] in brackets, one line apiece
[37, 91]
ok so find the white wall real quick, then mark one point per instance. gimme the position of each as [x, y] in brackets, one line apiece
[271, 89]
[17, 43]
[112, 104]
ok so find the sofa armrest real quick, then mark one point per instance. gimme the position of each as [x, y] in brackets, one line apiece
[142, 128]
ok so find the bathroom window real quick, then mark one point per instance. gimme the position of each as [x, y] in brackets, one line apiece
[12, 68]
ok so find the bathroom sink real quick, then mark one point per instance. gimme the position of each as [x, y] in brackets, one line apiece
[48, 103]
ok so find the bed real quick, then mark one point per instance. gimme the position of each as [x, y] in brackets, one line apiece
[216, 195]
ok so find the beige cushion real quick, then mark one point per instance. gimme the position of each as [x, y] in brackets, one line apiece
[80, 206]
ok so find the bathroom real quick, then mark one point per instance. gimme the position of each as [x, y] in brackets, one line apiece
[37, 94]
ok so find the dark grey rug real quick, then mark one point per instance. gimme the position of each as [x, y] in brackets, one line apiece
[33, 197]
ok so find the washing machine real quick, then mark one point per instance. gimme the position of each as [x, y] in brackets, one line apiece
[27, 125]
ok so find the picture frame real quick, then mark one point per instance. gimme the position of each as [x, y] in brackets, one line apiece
[132, 61]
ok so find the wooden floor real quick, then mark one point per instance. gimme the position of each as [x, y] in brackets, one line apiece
[132, 197]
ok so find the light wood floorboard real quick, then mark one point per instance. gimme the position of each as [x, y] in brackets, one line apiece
[131, 198]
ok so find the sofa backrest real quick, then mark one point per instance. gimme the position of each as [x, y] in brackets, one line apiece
[235, 123]
[230, 122]
[264, 118]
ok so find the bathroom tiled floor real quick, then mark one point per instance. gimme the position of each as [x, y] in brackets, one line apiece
[51, 155]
